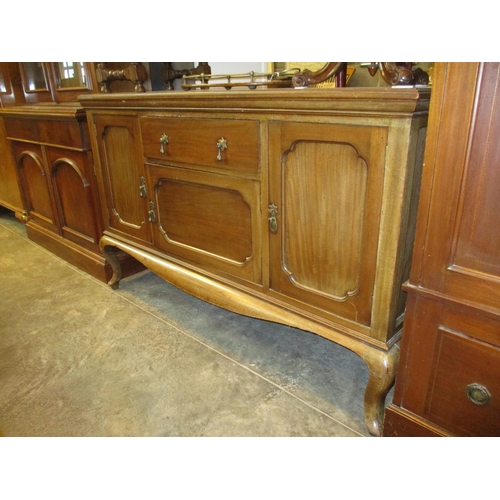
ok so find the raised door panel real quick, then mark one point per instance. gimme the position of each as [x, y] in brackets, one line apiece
[326, 189]
[462, 255]
[73, 195]
[36, 184]
[122, 173]
[208, 219]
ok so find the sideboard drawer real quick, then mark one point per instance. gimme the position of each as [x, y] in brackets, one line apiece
[224, 144]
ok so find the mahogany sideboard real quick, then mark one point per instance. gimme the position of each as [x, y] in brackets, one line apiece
[294, 205]
[449, 380]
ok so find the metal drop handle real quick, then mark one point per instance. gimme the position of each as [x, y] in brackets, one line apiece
[163, 141]
[221, 146]
[273, 223]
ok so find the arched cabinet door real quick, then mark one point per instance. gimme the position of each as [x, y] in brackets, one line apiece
[73, 195]
[36, 184]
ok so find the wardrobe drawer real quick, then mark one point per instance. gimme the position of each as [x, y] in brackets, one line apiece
[224, 144]
[464, 394]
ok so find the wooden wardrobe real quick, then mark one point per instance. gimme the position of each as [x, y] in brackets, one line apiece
[448, 382]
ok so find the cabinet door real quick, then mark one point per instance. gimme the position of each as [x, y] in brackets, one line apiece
[208, 219]
[121, 172]
[36, 184]
[326, 190]
[74, 199]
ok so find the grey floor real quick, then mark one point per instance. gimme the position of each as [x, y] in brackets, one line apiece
[80, 359]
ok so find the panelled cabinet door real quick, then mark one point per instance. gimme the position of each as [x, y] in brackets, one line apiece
[208, 219]
[73, 194]
[36, 184]
[326, 185]
[122, 174]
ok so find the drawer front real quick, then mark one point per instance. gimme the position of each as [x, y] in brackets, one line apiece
[452, 367]
[465, 395]
[16, 128]
[227, 144]
[66, 133]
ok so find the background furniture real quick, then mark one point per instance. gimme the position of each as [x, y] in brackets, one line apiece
[51, 151]
[286, 205]
[46, 167]
[449, 377]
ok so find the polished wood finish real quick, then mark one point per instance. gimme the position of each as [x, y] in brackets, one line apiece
[302, 216]
[451, 336]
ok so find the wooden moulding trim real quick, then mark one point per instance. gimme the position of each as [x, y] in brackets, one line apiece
[49, 110]
[407, 100]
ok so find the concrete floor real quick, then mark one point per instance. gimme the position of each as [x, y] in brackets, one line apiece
[79, 359]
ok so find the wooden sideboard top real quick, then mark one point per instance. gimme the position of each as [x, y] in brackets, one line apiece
[399, 100]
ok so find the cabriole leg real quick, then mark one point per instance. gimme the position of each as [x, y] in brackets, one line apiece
[383, 366]
[113, 261]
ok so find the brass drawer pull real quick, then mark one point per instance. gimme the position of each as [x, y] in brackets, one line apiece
[221, 146]
[163, 141]
[478, 394]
